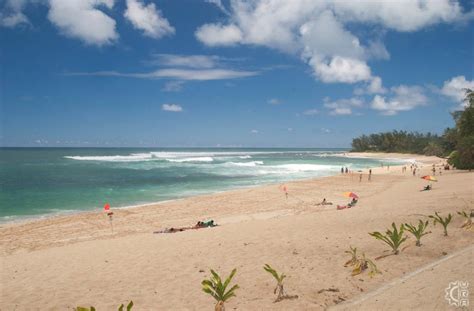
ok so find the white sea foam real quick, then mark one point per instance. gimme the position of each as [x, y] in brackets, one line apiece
[195, 159]
[249, 164]
[115, 158]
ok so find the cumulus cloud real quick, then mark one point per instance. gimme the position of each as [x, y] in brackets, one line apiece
[254, 131]
[217, 34]
[11, 14]
[83, 20]
[455, 89]
[341, 69]
[401, 98]
[171, 107]
[148, 18]
[317, 30]
[342, 106]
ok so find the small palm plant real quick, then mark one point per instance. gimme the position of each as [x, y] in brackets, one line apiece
[360, 263]
[419, 231]
[467, 219]
[217, 289]
[393, 238]
[443, 221]
[129, 307]
[279, 291]
[353, 253]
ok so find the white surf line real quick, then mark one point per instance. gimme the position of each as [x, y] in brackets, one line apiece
[354, 302]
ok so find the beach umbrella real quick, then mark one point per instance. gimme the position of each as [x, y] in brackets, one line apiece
[350, 195]
[429, 178]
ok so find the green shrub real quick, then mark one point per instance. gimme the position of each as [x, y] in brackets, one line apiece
[394, 238]
[443, 221]
[214, 287]
[419, 231]
[279, 291]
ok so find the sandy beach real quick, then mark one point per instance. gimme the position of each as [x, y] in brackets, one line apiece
[63, 262]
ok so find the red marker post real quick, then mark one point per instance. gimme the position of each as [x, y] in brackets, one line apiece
[110, 214]
[284, 189]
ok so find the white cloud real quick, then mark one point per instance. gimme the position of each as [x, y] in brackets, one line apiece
[274, 101]
[317, 30]
[455, 89]
[342, 106]
[402, 98]
[254, 131]
[374, 86]
[219, 4]
[176, 73]
[173, 86]
[191, 61]
[11, 14]
[171, 107]
[311, 112]
[290, 129]
[217, 34]
[341, 69]
[83, 20]
[148, 18]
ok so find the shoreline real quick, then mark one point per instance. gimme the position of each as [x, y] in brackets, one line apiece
[24, 219]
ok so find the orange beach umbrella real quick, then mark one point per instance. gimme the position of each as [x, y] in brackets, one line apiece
[429, 178]
[350, 195]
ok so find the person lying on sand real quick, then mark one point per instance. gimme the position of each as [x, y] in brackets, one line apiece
[351, 204]
[428, 187]
[198, 225]
[324, 202]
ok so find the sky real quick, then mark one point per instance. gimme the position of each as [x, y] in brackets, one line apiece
[220, 73]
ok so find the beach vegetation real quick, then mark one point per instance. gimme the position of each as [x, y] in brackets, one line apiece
[457, 144]
[394, 238]
[418, 231]
[129, 307]
[360, 263]
[443, 221]
[279, 290]
[218, 289]
[467, 219]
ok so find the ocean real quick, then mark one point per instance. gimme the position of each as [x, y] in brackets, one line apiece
[40, 182]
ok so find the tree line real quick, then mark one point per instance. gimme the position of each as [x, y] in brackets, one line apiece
[456, 144]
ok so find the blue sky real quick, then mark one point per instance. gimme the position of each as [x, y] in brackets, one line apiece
[195, 73]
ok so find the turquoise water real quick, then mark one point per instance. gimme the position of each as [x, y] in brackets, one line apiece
[43, 181]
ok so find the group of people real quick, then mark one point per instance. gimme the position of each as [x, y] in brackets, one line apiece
[344, 170]
[198, 225]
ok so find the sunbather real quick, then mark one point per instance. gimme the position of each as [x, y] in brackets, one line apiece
[199, 225]
[324, 202]
[428, 187]
[351, 204]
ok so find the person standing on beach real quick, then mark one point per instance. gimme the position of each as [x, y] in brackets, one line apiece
[360, 177]
[370, 174]
[347, 171]
[342, 170]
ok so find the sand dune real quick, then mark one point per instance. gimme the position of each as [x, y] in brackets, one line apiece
[62, 262]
